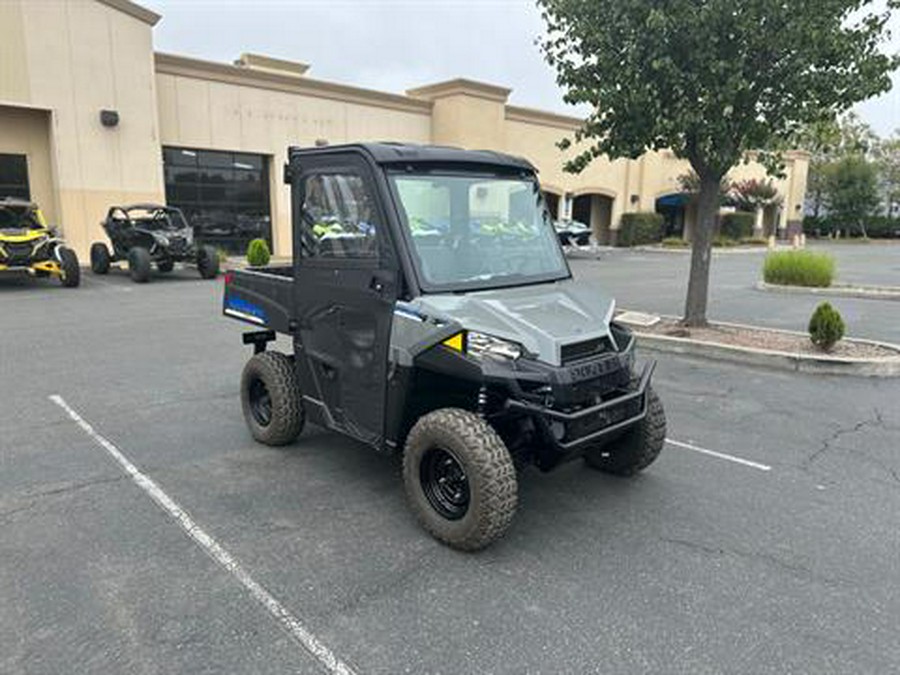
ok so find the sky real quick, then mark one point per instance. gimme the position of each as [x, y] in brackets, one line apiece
[395, 45]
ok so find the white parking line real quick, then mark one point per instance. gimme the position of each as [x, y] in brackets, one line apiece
[720, 455]
[215, 551]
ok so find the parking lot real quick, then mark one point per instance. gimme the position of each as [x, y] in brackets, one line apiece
[764, 540]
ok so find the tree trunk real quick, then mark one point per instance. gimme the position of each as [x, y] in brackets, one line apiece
[698, 283]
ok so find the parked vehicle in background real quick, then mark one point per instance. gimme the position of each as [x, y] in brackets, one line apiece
[151, 234]
[28, 244]
[572, 232]
[433, 314]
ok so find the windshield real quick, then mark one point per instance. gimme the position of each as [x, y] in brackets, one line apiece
[20, 218]
[157, 219]
[472, 232]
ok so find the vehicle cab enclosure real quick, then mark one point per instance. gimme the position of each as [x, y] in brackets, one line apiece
[431, 279]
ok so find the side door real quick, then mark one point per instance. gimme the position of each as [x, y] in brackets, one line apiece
[345, 291]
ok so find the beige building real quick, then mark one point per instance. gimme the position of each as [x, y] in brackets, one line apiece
[91, 116]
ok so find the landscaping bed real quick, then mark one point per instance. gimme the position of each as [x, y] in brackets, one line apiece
[768, 339]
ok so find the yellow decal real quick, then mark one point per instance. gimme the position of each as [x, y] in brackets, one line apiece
[455, 342]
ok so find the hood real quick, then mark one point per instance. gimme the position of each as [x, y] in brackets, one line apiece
[541, 318]
[21, 235]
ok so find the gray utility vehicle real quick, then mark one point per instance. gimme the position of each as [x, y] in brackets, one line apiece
[432, 313]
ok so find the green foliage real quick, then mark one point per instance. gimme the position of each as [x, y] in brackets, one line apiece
[674, 242]
[755, 241]
[711, 81]
[723, 242]
[738, 225]
[258, 254]
[799, 268]
[887, 157]
[826, 327]
[852, 193]
[639, 229]
[752, 194]
[877, 227]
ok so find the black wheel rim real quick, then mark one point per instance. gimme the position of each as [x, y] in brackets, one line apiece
[444, 483]
[260, 402]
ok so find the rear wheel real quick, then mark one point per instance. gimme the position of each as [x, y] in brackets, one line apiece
[139, 264]
[270, 399]
[100, 258]
[638, 448]
[70, 275]
[165, 265]
[208, 262]
[460, 479]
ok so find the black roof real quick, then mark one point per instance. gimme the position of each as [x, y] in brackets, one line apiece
[400, 153]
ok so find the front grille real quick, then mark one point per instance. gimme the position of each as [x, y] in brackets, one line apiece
[18, 254]
[605, 418]
[177, 245]
[586, 349]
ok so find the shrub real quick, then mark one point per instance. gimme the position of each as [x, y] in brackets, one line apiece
[798, 268]
[258, 253]
[675, 242]
[738, 225]
[826, 327]
[755, 241]
[640, 228]
[723, 242]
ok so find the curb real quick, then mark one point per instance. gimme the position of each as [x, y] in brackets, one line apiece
[726, 250]
[839, 291]
[800, 363]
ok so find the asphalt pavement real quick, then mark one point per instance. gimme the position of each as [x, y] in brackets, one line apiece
[764, 541]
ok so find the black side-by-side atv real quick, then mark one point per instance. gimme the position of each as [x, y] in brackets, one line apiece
[147, 235]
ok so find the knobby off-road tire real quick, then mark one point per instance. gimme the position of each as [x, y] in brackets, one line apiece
[489, 473]
[165, 265]
[277, 418]
[71, 272]
[139, 264]
[638, 448]
[100, 258]
[208, 262]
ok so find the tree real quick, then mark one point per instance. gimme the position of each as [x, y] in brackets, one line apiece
[752, 194]
[887, 156]
[711, 81]
[852, 193]
[827, 142]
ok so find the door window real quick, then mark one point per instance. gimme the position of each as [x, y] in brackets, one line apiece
[339, 217]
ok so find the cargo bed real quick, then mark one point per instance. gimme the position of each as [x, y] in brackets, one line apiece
[261, 296]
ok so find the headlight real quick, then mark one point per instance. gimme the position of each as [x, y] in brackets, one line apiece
[480, 345]
[161, 239]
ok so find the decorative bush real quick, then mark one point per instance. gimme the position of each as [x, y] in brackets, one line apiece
[640, 228]
[738, 225]
[826, 327]
[675, 242]
[258, 254]
[799, 268]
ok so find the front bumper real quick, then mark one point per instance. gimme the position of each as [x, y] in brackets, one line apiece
[569, 432]
[46, 266]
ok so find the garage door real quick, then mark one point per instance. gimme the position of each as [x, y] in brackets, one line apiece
[224, 195]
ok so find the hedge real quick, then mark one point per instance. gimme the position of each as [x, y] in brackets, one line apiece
[877, 227]
[639, 229]
[258, 253]
[738, 225]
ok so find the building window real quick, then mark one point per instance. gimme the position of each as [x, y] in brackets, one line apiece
[14, 177]
[224, 195]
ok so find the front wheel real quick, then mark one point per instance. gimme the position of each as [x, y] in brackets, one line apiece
[460, 479]
[638, 448]
[100, 258]
[70, 272]
[139, 264]
[208, 262]
[270, 399]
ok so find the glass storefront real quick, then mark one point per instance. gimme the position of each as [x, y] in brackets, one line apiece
[224, 195]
